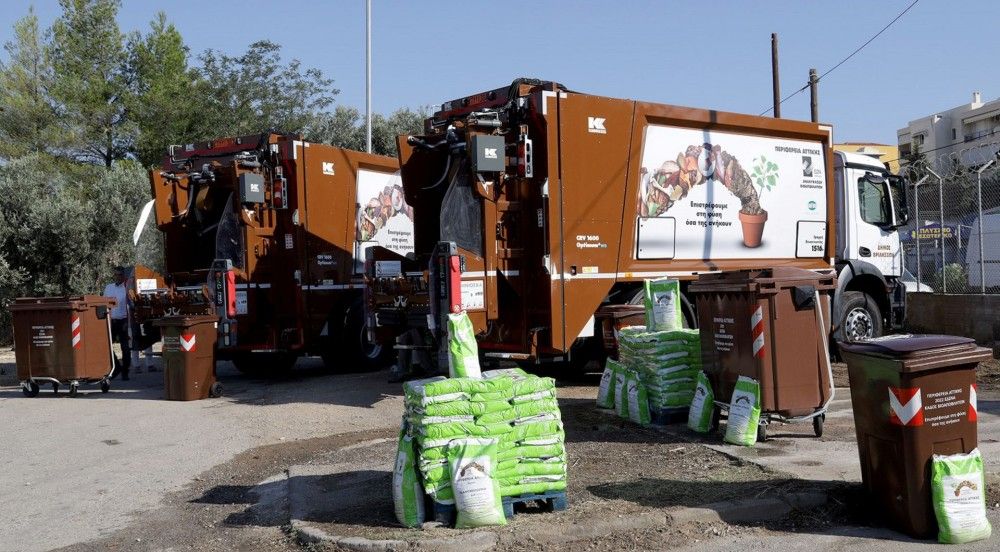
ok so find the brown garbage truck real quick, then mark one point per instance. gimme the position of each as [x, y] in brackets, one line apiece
[540, 211]
[265, 231]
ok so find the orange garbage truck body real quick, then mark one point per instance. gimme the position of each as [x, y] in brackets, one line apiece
[539, 211]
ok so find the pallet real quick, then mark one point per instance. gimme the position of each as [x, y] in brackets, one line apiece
[551, 501]
[666, 416]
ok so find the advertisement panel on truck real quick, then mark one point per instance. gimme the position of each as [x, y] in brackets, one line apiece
[384, 218]
[720, 195]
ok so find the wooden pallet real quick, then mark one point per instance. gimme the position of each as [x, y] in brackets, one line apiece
[551, 501]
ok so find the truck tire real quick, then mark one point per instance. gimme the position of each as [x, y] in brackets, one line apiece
[861, 318]
[351, 351]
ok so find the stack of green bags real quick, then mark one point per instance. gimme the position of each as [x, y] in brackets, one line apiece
[517, 409]
[439, 409]
[532, 457]
[666, 362]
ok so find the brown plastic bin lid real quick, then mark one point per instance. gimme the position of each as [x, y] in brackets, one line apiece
[76, 302]
[763, 280]
[185, 320]
[916, 352]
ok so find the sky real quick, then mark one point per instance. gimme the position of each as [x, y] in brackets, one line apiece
[713, 55]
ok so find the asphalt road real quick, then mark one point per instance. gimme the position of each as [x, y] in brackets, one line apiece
[76, 469]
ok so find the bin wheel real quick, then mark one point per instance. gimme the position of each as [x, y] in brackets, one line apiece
[761, 433]
[105, 386]
[73, 389]
[215, 391]
[818, 424]
[30, 390]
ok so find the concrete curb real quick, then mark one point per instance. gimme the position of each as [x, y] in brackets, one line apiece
[732, 511]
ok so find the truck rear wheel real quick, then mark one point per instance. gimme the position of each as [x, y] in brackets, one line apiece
[351, 350]
[861, 319]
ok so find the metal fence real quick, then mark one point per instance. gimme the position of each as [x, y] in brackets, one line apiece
[952, 242]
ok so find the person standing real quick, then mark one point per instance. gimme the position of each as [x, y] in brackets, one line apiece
[118, 290]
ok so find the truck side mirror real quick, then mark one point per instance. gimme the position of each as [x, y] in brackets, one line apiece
[900, 208]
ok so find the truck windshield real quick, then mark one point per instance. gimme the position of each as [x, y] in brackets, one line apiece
[873, 200]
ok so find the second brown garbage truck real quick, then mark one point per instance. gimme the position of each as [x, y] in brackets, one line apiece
[265, 232]
[538, 210]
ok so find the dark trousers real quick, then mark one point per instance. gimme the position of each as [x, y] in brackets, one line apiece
[119, 333]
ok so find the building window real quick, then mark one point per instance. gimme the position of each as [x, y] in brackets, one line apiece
[918, 140]
[954, 134]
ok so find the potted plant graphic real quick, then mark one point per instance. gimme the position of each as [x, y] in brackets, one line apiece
[753, 217]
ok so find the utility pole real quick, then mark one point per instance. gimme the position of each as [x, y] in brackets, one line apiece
[774, 76]
[814, 95]
[368, 76]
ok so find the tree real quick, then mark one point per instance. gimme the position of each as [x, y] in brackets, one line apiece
[258, 92]
[161, 90]
[28, 124]
[91, 85]
[345, 128]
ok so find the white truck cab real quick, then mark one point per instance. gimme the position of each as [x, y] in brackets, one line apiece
[870, 207]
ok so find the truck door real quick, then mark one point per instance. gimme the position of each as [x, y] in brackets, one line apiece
[873, 238]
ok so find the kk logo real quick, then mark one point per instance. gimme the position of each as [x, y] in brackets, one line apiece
[596, 125]
[490, 153]
[328, 168]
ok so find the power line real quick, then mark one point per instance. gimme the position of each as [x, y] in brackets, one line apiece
[852, 54]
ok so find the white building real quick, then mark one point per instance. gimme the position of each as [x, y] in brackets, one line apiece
[969, 132]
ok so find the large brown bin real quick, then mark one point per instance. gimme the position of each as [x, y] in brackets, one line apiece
[913, 397]
[189, 357]
[763, 324]
[62, 340]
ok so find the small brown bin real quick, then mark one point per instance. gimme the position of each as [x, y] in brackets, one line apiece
[189, 357]
[62, 340]
[763, 324]
[913, 397]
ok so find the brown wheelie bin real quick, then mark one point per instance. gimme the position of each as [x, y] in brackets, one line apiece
[765, 324]
[189, 357]
[913, 396]
[62, 341]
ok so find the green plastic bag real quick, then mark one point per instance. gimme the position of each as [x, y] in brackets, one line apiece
[702, 405]
[539, 396]
[663, 304]
[606, 390]
[473, 481]
[638, 402]
[744, 413]
[533, 488]
[958, 490]
[459, 408]
[532, 385]
[513, 373]
[621, 393]
[407, 494]
[463, 352]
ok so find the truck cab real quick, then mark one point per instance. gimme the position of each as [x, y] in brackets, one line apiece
[870, 207]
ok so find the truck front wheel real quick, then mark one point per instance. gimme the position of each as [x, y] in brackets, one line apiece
[861, 318]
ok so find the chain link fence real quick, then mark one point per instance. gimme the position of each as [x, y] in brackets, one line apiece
[952, 242]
